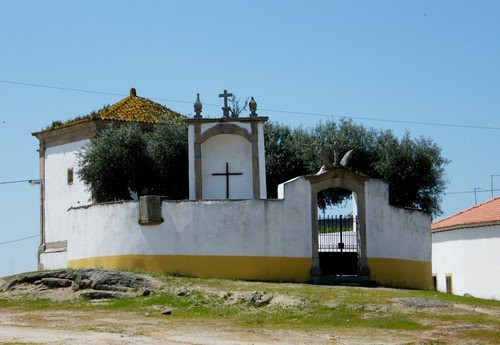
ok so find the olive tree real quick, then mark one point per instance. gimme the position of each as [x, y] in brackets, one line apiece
[413, 168]
[124, 159]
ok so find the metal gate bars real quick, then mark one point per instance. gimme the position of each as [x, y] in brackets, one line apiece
[337, 234]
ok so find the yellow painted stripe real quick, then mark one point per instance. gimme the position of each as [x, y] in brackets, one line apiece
[401, 273]
[239, 267]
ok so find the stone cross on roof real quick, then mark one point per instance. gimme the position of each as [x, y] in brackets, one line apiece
[225, 109]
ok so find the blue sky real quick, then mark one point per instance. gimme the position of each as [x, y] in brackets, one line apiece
[402, 60]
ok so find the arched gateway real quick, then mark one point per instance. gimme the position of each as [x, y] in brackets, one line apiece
[392, 244]
[341, 178]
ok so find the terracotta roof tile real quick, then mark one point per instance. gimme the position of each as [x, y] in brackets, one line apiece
[138, 109]
[484, 213]
[132, 108]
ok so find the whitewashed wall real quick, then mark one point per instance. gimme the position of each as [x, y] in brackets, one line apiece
[277, 228]
[394, 232]
[472, 257]
[235, 150]
[51, 260]
[59, 196]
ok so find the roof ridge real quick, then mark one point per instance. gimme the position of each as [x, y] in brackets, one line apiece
[466, 210]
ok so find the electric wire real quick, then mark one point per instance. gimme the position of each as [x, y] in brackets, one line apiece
[19, 239]
[17, 181]
[354, 117]
[471, 191]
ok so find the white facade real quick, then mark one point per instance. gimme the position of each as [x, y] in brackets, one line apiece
[471, 256]
[59, 197]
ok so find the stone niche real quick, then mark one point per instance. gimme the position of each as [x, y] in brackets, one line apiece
[227, 158]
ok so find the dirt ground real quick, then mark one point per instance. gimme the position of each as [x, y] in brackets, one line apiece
[215, 311]
[122, 327]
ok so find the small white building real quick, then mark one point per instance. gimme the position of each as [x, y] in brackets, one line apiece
[61, 188]
[466, 251]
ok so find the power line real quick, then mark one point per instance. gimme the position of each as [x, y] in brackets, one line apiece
[91, 91]
[18, 181]
[354, 117]
[19, 239]
[471, 191]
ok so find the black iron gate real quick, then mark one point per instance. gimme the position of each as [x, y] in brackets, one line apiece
[338, 245]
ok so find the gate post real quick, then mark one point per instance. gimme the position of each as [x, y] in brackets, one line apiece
[315, 269]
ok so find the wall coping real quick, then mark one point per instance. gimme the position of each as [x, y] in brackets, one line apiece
[227, 119]
[164, 200]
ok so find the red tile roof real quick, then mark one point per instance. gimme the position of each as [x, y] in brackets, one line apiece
[482, 214]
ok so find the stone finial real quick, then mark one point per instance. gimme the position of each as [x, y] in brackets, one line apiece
[197, 107]
[133, 92]
[327, 163]
[253, 107]
[346, 158]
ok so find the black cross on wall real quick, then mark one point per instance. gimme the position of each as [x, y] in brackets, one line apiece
[227, 174]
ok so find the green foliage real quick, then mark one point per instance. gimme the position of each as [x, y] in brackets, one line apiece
[115, 163]
[168, 150]
[124, 159]
[289, 153]
[414, 168]
[59, 124]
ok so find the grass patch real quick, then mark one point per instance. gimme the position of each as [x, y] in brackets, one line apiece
[487, 335]
[320, 307]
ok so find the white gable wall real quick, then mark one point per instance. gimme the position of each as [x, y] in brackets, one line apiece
[472, 257]
[59, 196]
